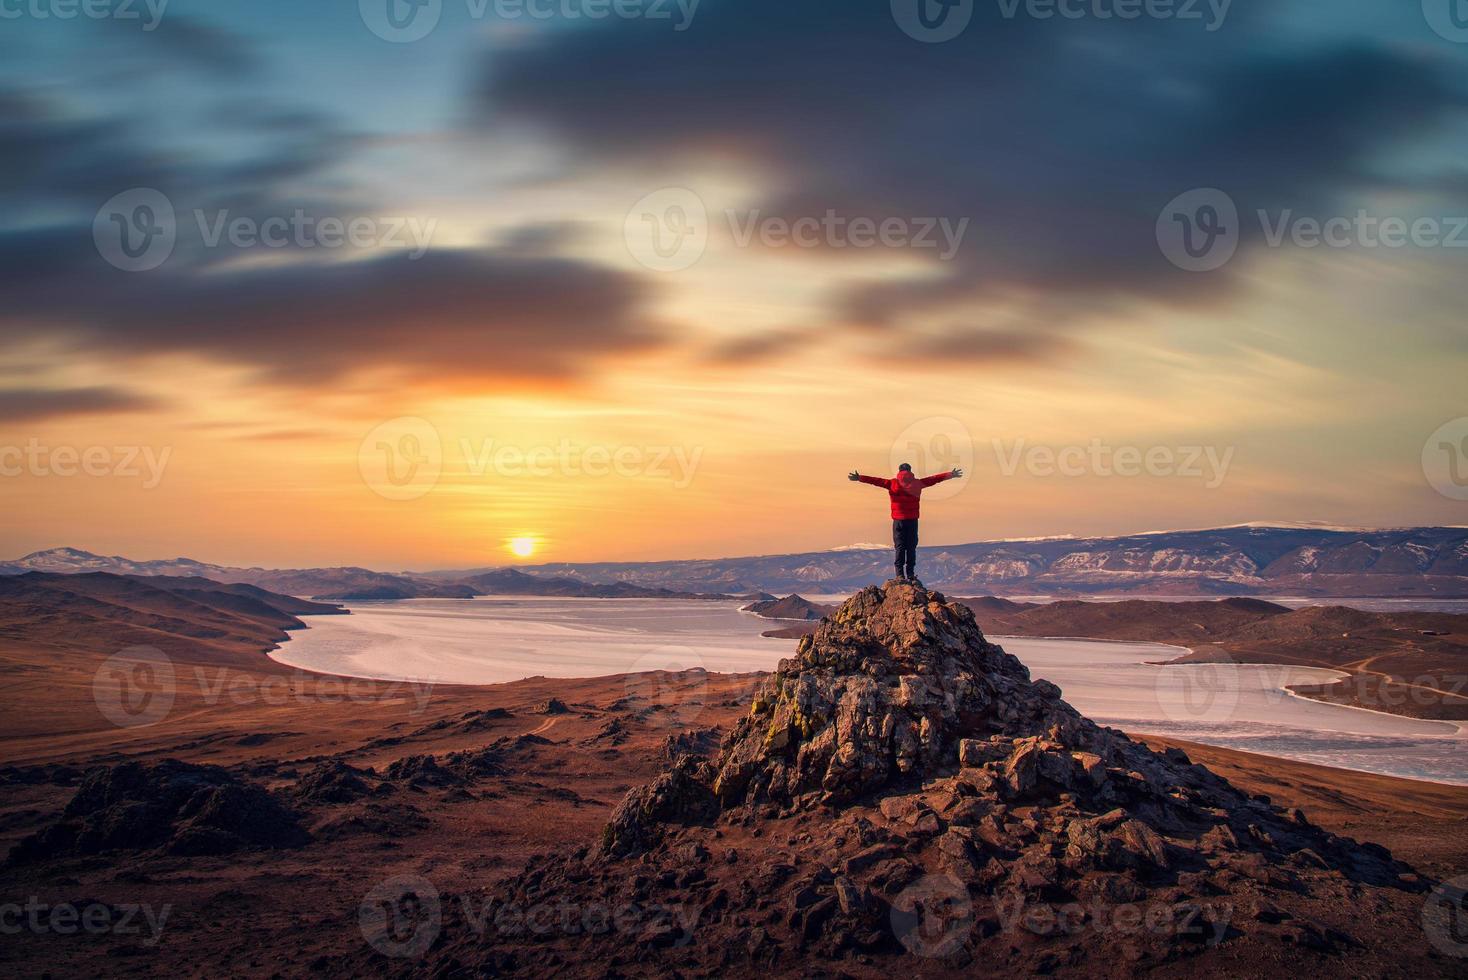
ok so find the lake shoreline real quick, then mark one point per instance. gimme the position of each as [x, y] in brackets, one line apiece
[464, 645]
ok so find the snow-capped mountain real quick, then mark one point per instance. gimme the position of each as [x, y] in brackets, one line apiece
[71, 560]
[1251, 559]
[1243, 560]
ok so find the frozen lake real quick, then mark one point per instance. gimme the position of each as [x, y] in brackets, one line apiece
[492, 640]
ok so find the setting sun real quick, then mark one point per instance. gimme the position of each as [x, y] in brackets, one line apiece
[522, 547]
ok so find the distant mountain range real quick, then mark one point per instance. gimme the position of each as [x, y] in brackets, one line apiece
[347, 583]
[1246, 560]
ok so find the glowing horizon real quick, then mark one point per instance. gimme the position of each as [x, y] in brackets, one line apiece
[629, 327]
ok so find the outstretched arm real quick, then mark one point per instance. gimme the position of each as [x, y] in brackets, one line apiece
[953, 474]
[875, 481]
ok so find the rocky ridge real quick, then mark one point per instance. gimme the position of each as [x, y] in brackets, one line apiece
[902, 786]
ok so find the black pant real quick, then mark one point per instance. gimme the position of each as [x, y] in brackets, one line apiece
[904, 545]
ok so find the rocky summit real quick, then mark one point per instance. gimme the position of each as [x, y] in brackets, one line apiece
[902, 791]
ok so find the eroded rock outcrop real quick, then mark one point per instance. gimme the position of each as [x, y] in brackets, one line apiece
[181, 808]
[900, 762]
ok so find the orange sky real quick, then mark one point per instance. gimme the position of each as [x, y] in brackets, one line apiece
[594, 349]
[660, 456]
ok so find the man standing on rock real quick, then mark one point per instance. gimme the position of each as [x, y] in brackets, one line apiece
[906, 492]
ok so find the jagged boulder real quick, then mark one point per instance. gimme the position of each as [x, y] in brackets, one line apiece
[883, 690]
[680, 793]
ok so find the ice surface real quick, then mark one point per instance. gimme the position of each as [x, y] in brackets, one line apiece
[486, 641]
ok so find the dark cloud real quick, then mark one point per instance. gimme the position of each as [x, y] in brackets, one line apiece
[50, 157]
[298, 315]
[755, 348]
[284, 435]
[477, 317]
[189, 43]
[54, 158]
[1061, 141]
[977, 346]
[885, 348]
[42, 404]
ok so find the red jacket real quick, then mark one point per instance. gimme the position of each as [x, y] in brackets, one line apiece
[905, 490]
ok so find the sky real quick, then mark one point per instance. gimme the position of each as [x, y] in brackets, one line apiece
[397, 284]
